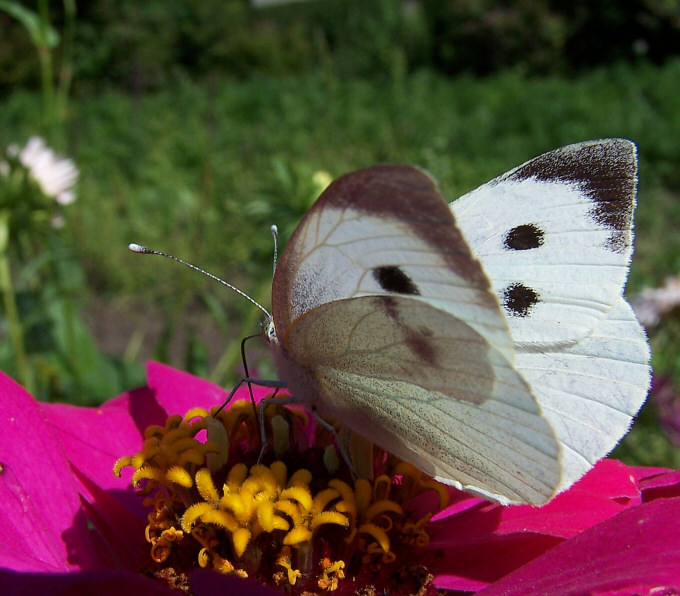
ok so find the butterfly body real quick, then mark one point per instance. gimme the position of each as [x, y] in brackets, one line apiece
[418, 325]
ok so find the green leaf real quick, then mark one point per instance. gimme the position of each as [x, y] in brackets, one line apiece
[42, 33]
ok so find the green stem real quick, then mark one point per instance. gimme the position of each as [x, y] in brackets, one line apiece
[66, 70]
[46, 80]
[16, 330]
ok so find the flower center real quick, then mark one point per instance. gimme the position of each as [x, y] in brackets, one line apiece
[296, 520]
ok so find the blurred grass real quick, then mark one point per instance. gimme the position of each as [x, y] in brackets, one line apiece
[202, 170]
[194, 169]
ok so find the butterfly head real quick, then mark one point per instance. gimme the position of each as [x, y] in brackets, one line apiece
[268, 330]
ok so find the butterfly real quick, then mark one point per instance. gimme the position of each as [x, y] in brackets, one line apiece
[487, 341]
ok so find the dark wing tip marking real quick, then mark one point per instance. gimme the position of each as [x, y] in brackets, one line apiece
[605, 170]
[524, 237]
[393, 279]
[519, 299]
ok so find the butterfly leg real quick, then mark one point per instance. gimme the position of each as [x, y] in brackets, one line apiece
[329, 427]
[263, 404]
[259, 382]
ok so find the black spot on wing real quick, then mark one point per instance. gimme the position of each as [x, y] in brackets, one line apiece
[392, 279]
[524, 237]
[519, 299]
[606, 171]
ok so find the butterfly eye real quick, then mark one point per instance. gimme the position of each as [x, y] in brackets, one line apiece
[269, 330]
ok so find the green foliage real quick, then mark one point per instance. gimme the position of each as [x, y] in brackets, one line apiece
[66, 363]
[232, 38]
[147, 45]
[526, 34]
[203, 171]
[549, 36]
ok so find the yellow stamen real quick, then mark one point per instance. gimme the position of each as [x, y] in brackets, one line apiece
[268, 519]
[149, 474]
[330, 517]
[378, 534]
[300, 494]
[280, 472]
[382, 507]
[291, 510]
[322, 499]
[235, 517]
[332, 573]
[293, 574]
[240, 537]
[206, 486]
[121, 463]
[179, 476]
[193, 513]
[297, 535]
[201, 413]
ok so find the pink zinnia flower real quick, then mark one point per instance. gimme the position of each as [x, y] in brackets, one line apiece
[69, 525]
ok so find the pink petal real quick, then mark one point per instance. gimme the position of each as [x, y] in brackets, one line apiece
[607, 489]
[104, 582]
[94, 438]
[637, 547]
[119, 540]
[474, 566]
[42, 526]
[482, 541]
[177, 392]
[665, 484]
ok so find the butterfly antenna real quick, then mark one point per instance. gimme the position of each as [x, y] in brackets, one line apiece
[275, 235]
[138, 248]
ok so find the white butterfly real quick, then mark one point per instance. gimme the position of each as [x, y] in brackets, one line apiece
[488, 343]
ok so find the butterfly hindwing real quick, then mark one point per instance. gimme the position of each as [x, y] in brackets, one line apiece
[554, 236]
[428, 388]
[589, 392]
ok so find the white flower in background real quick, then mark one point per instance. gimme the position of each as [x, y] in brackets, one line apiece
[4, 169]
[653, 303]
[56, 175]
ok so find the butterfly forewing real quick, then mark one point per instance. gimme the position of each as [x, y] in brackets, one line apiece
[428, 388]
[554, 236]
[385, 230]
